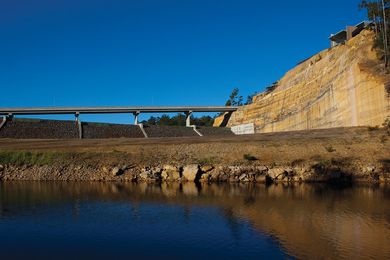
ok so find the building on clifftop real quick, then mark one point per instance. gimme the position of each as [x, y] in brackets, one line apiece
[348, 33]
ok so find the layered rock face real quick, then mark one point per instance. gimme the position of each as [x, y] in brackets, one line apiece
[339, 87]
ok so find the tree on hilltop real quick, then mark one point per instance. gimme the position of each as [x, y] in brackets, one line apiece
[249, 98]
[379, 13]
[234, 99]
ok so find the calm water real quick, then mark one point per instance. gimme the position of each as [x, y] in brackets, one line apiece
[78, 220]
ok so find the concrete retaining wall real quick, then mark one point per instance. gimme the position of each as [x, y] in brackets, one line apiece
[215, 131]
[169, 131]
[93, 130]
[39, 129]
[58, 129]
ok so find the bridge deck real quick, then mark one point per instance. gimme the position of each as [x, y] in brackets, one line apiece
[113, 110]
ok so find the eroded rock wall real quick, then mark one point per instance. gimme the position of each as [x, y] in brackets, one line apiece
[338, 87]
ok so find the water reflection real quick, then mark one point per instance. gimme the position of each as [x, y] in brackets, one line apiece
[304, 221]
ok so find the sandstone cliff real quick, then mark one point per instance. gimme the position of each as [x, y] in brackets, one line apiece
[338, 87]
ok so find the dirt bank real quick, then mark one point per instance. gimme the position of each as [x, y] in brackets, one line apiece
[343, 154]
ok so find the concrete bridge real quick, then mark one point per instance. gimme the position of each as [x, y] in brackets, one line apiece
[9, 113]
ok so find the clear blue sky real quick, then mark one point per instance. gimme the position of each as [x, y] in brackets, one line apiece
[156, 52]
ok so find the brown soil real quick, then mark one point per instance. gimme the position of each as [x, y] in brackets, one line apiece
[360, 145]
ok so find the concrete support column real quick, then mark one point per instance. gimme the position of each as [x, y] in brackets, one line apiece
[141, 126]
[76, 116]
[188, 118]
[197, 131]
[10, 116]
[350, 30]
[3, 121]
[79, 126]
[136, 114]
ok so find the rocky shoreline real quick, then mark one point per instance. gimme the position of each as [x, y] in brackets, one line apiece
[326, 155]
[314, 172]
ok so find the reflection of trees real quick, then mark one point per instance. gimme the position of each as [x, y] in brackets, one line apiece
[233, 223]
[250, 200]
[76, 208]
[186, 213]
[135, 211]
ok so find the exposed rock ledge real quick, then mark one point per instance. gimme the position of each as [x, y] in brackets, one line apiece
[318, 172]
[339, 87]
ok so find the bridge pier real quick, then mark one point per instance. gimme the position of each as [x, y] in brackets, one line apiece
[3, 122]
[79, 126]
[10, 116]
[196, 130]
[141, 126]
[76, 116]
[188, 118]
[136, 114]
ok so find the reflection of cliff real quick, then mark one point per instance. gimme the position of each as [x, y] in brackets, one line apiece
[313, 223]
[339, 87]
[309, 221]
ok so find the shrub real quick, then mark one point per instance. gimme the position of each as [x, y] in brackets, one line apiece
[386, 125]
[373, 128]
[249, 157]
[330, 149]
[207, 161]
[271, 88]
[297, 162]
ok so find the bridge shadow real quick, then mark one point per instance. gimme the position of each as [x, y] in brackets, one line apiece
[226, 118]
